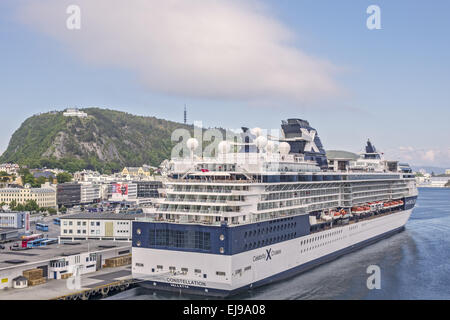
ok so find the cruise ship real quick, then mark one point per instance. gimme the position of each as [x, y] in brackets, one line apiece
[266, 209]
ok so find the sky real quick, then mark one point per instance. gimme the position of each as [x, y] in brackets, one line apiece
[239, 63]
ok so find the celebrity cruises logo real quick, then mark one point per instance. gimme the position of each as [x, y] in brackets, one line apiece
[267, 255]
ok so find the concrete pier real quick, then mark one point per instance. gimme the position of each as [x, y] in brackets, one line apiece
[92, 285]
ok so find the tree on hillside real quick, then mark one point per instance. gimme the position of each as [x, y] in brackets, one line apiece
[27, 177]
[40, 181]
[4, 176]
[64, 177]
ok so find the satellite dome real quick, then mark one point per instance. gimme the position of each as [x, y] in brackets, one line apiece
[284, 148]
[256, 131]
[192, 144]
[261, 142]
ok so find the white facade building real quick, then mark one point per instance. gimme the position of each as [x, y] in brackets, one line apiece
[90, 193]
[122, 191]
[45, 196]
[73, 112]
[115, 227]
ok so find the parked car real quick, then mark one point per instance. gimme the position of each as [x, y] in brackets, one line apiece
[2, 246]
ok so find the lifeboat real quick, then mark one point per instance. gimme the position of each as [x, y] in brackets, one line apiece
[335, 214]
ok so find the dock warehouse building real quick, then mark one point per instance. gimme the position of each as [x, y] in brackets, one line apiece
[91, 226]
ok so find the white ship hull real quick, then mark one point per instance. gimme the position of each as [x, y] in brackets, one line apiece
[260, 266]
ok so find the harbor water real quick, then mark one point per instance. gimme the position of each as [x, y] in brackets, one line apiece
[414, 264]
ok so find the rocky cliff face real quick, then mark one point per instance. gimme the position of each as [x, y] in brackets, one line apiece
[105, 140]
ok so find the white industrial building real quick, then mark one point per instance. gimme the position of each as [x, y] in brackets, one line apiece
[87, 226]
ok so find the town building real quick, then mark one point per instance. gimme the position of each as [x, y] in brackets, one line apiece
[447, 171]
[47, 174]
[7, 235]
[15, 220]
[91, 226]
[136, 171]
[439, 182]
[90, 193]
[45, 196]
[73, 112]
[72, 194]
[120, 191]
[68, 194]
[10, 168]
[148, 189]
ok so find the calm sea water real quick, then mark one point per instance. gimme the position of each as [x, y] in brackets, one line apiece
[415, 264]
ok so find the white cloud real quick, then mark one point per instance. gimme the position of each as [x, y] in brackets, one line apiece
[196, 48]
[417, 156]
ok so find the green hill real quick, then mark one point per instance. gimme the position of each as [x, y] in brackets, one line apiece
[105, 141]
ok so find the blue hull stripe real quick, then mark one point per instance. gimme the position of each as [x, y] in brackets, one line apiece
[277, 277]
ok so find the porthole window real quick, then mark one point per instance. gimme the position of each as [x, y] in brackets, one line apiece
[138, 243]
[222, 237]
[138, 231]
[221, 250]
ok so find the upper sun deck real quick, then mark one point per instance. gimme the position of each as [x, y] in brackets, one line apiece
[247, 162]
[244, 168]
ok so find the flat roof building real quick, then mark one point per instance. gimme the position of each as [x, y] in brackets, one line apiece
[91, 226]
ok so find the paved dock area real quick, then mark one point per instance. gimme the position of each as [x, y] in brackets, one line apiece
[9, 258]
[56, 288]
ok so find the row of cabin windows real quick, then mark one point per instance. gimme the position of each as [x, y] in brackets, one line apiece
[318, 245]
[262, 243]
[183, 270]
[321, 237]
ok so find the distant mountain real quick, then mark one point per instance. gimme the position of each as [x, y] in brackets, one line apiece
[106, 140]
